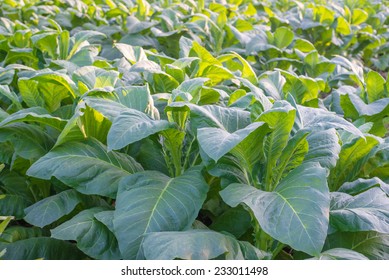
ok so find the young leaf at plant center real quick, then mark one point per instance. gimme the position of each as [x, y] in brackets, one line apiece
[375, 85]
[352, 157]
[280, 119]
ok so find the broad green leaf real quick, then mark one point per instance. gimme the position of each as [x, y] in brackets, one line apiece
[356, 70]
[372, 244]
[228, 119]
[3, 114]
[131, 126]
[367, 211]
[83, 57]
[9, 94]
[56, 80]
[86, 122]
[304, 45]
[41, 248]
[134, 97]
[94, 77]
[6, 75]
[375, 86]
[354, 107]
[93, 124]
[342, 26]
[228, 168]
[359, 16]
[283, 37]
[375, 112]
[378, 163]
[15, 233]
[299, 205]
[151, 156]
[25, 55]
[215, 73]
[80, 37]
[13, 183]
[150, 67]
[340, 254]
[304, 89]
[72, 131]
[46, 41]
[131, 53]
[198, 245]
[209, 66]
[177, 73]
[85, 166]
[259, 95]
[50, 209]
[134, 25]
[320, 119]
[324, 148]
[106, 217]
[235, 221]
[152, 202]
[352, 158]
[360, 185]
[36, 114]
[162, 82]
[216, 142]
[192, 86]
[110, 109]
[29, 141]
[246, 70]
[47, 89]
[249, 151]
[92, 236]
[272, 84]
[13, 205]
[205, 56]
[63, 44]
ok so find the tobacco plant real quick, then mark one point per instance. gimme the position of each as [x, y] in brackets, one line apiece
[194, 129]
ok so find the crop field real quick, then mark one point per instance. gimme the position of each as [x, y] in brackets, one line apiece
[194, 129]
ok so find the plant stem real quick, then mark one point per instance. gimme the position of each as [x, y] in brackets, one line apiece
[187, 156]
[176, 155]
